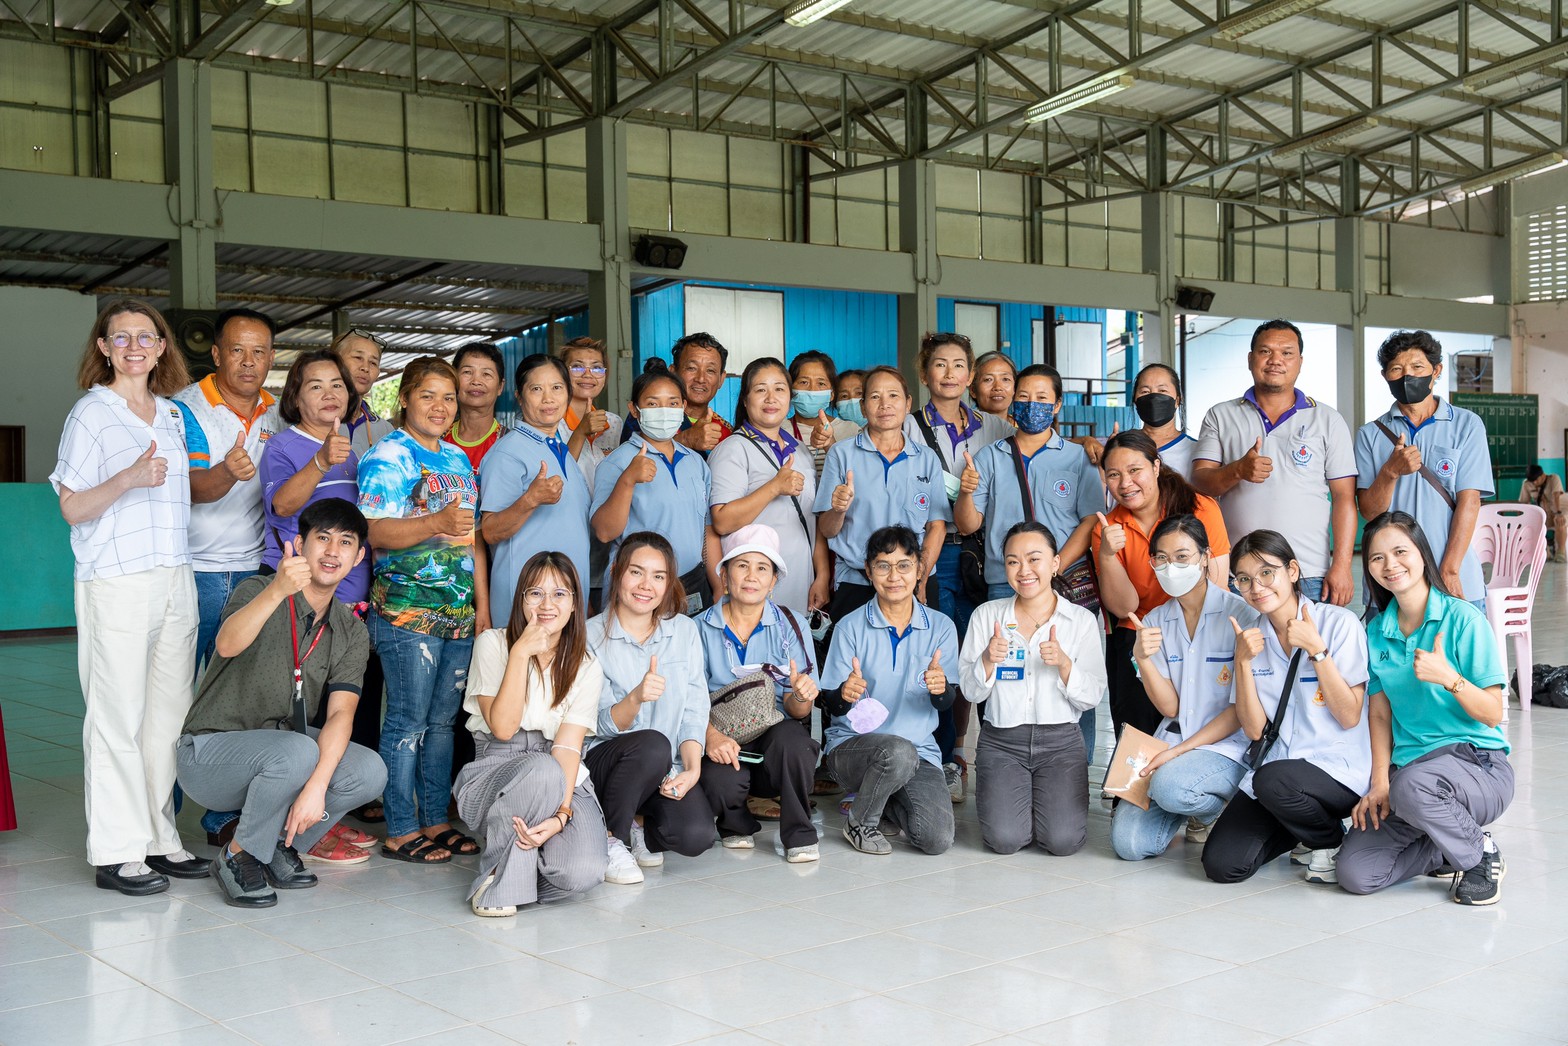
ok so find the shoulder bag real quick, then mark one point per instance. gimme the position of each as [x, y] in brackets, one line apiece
[1258, 750]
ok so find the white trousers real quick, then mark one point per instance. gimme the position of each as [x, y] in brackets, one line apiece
[135, 651]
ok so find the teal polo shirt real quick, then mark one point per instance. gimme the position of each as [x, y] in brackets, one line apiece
[1427, 717]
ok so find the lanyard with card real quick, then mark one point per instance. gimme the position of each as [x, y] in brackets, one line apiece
[301, 717]
[1011, 670]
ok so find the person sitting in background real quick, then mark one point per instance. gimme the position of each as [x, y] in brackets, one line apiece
[360, 352]
[480, 383]
[286, 643]
[1546, 490]
[992, 390]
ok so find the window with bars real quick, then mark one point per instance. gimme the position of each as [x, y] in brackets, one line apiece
[1546, 255]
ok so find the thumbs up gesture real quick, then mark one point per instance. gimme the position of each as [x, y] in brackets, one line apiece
[336, 448]
[1148, 641]
[1113, 538]
[1254, 467]
[822, 435]
[642, 469]
[1301, 632]
[1431, 666]
[652, 686]
[935, 679]
[1051, 651]
[147, 470]
[788, 482]
[844, 493]
[969, 479]
[238, 462]
[855, 686]
[596, 420]
[544, 489]
[1249, 642]
[293, 569]
[998, 648]
[801, 684]
[1405, 459]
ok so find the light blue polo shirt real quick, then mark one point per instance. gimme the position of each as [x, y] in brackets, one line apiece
[894, 666]
[1310, 730]
[681, 712]
[907, 491]
[1426, 716]
[1453, 445]
[1063, 487]
[504, 475]
[674, 503]
[772, 642]
[1201, 666]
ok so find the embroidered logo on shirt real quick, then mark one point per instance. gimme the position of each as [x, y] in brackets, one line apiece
[1318, 698]
[921, 500]
[1223, 679]
[1302, 455]
[1061, 488]
[1382, 655]
[1445, 467]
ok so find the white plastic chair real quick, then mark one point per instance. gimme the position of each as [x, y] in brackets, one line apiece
[1510, 541]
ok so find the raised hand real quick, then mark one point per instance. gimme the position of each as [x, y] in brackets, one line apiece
[998, 648]
[935, 679]
[822, 435]
[1254, 467]
[801, 683]
[544, 489]
[1249, 642]
[148, 470]
[596, 421]
[855, 686]
[969, 479]
[532, 642]
[1431, 666]
[788, 482]
[642, 469]
[704, 436]
[1148, 641]
[293, 569]
[1051, 651]
[335, 450]
[652, 686]
[1113, 536]
[454, 521]
[844, 493]
[238, 462]
[1405, 459]
[1094, 449]
[1302, 633]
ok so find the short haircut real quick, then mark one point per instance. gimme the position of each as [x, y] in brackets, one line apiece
[934, 340]
[748, 377]
[1404, 341]
[1278, 325]
[884, 371]
[532, 362]
[334, 514]
[1184, 523]
[821, 359]
[288, 399]
[700, 340]
[892, 539]
[1379, 597]
[244, 314]
[655, 371]
[674, 594]
[584, 344]
[1270, 544]
[169, 374]
[481, 348]
[1029, 526]
[1042, 370]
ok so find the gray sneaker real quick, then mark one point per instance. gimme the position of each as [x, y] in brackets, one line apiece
[244, 880]
[1483, 883]
[287, 872]
[866, 839]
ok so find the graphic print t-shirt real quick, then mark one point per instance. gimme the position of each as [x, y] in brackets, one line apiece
[428, 587]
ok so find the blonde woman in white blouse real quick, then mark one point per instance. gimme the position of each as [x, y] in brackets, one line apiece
[533, 698]
[1036, 661]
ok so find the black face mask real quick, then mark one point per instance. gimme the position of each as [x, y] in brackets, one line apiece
[1155, 408]
[1411, 389]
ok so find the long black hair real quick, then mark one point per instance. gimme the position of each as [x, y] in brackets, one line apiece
[1379, 597]
[1177, 498]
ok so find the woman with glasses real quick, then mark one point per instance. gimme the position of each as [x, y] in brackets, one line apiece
[744, 633]
[532, 701]
[763, 474]
[1146, 492]
[533, 496]
[1186, 655]
[590, 432]
[123, 478]
[1310, 778]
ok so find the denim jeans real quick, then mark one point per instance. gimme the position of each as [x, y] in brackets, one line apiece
[425, 680]
[892, 781]
[1312, 588]
[1031, 788]
[1087, 721]
[213, 589]
[1195, 784]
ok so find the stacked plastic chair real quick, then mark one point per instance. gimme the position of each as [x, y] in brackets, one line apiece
[1511, 543]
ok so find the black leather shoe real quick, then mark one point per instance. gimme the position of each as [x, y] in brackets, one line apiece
[243, 879]
[195, 868]
[110, 877]
[287, 872]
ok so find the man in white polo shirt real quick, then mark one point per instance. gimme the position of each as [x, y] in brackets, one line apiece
[228, 419]
[1276, 459]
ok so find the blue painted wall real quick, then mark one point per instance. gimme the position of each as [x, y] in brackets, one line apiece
[530, 341]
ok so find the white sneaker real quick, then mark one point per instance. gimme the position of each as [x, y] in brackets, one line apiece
[621, 870]
[646, 858]
[497, 911]
[1320, 869]
[802, 854]
[1197, 831]
[731, 842]
[955, 781]
[1302, 854]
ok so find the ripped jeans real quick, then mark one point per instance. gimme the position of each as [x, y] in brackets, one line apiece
[425, 676]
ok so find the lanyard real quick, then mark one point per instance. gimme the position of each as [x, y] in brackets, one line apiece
[301, 720]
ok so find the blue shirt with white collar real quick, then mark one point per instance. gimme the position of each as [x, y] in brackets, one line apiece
[773, 642]
[674, 503]
[907, 491]
[894, 665]
[681, 712]
[1063, 488]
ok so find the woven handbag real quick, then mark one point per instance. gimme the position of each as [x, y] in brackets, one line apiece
[745, 709]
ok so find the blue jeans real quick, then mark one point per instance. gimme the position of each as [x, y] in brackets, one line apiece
[1196, 784]
[213, 589]
[425, 680]
[1312, 588]
[1086, 721]
[952, 602]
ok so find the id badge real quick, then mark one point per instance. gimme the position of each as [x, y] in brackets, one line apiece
[693, 604]
[1013, 670]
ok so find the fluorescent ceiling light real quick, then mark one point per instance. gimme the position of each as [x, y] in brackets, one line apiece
[1262, 14]
[1512, 171]
[1332, 133]
[1074, 97]
[1512, 66]
[809, 11]
[280, 3]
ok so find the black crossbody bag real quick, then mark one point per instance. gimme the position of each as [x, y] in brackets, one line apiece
[1258, 750]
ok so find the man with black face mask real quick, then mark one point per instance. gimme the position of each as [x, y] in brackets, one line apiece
[1426, 457]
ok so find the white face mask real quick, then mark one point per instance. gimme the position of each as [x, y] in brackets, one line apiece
[1178, 580]
[660, 423]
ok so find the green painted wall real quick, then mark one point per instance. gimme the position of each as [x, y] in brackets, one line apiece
[39, 572]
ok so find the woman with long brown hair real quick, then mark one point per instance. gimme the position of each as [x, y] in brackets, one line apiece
[533, 698]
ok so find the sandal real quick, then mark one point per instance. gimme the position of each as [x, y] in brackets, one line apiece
[764, 809]
[371, 813]
[826, 786]
[335, 850]
[414, 850]
[456, 842]
[351, 835]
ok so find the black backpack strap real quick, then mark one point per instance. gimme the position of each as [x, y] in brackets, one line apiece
[931, 440]
[1023, 478]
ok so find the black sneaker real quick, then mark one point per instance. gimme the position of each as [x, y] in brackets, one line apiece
[1443, 871]
[287, 872]
[866, 839]
[1483, 883]
[244, 880]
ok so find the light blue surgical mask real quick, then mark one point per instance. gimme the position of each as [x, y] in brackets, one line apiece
[1033, 418]
[660, 423]
[807, 402]
[850, 410]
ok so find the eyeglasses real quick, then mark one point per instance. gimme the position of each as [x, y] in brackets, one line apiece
[360, 332]
[578, 370]
[882, 568]
[143, 339]
[1265, 577]
[534, 596]
[1181, 559]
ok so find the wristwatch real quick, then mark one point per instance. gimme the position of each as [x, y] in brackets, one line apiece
[1319, 656]
[1456, 686]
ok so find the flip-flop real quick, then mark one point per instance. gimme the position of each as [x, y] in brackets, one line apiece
[456, 842]
[362, 814]
[763, 809]
[413, 850]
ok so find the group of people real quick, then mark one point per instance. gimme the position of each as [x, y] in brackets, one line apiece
[602, 638]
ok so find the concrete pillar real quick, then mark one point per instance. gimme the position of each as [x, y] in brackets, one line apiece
[187, 146]
[1350, 340]
[1159, 258]
[610, 285]
[917, 239]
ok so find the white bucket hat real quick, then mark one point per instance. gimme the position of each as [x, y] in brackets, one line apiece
[756, 537]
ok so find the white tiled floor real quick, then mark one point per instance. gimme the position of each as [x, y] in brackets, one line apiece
[738, 947]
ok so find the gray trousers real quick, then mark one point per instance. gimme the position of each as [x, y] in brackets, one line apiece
[1032, 788]
[1440, 803]
[889, 778]
[260, 774]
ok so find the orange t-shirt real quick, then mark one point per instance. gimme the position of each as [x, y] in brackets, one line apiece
[1134, 555]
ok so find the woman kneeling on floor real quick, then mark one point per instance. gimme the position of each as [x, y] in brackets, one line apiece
[1440, 767]
[533, 697]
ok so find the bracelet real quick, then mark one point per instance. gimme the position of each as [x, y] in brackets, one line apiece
[569, 748]
[316, 463]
